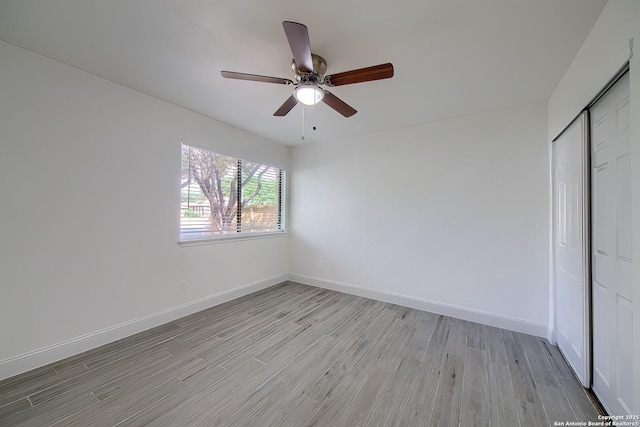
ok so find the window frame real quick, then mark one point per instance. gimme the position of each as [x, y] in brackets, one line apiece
[210, 238]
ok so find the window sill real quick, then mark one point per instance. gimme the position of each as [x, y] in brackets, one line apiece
[232, 238]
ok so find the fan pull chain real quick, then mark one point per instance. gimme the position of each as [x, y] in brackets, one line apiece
[303, 122]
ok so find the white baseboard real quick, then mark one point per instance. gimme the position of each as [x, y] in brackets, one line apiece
[43, 356]
[490, 319]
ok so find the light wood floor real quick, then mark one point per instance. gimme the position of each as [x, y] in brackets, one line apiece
[295, 355]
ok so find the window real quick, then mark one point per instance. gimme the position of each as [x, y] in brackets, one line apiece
[224, 196]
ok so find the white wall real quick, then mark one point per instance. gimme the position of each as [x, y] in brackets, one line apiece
[604, 51]
[89, 190]
[448, 216]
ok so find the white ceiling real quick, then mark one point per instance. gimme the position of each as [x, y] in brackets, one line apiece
[451, 57]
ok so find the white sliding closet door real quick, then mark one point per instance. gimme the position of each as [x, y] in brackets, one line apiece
[612, 252]
[571, 249]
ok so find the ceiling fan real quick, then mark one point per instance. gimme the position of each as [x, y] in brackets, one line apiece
[309, 72]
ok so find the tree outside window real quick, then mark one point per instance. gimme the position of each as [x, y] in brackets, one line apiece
[222, 195]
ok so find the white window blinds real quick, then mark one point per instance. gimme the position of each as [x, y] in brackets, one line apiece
[222, 196]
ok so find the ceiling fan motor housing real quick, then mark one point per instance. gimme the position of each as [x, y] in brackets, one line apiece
[317, 76]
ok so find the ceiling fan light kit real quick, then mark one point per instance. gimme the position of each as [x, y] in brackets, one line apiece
[308, 94]
[309, 70]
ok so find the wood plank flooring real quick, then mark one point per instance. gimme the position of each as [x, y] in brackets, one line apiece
[295, 355]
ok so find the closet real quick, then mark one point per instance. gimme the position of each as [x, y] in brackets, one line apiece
[592, 246]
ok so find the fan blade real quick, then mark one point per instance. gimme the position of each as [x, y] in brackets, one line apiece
[377, 72]
[286, 107]
[298, 37]
[338, 104]
[254, 77]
